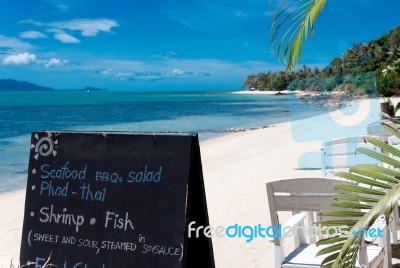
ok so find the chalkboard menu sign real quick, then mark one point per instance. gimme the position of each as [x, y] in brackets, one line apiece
[114, 200]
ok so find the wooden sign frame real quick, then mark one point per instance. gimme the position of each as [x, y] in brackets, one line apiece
[114, 199]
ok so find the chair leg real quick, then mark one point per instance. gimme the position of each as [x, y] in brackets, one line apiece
[362, 254]
[393, 224]
[387, 260]
[279, 256]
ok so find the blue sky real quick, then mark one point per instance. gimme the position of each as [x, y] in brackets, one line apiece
[167, 44]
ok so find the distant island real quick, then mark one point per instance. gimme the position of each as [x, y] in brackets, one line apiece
[23, 86]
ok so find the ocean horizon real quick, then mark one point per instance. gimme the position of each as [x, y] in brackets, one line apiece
[208, 113]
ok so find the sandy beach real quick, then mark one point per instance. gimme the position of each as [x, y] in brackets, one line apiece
[236, 168]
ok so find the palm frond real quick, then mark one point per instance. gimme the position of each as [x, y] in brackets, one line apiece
[364, 180]
[354, 197]
[330, 240]
[359, 205]
[339, 222]
[384, 147]
[391, 130]
[382, 170]
[367, 172]
[357, 189]
[378, 156]
[329, 260]
[297, 20]
[341, 213]
[330, 249]
[386, 205]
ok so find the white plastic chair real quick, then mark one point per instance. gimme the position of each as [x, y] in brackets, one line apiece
[340, 154]
[305, 198]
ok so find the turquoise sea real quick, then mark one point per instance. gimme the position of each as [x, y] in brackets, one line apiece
[208, 113]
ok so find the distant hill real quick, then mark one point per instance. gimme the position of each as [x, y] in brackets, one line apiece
[21, 86]
[14, 85]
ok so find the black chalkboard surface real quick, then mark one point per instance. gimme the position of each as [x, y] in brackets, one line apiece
[108, 200]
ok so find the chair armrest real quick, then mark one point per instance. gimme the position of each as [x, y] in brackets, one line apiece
[383, 241]
[379, 224]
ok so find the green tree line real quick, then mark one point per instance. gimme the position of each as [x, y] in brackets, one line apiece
[367, 68]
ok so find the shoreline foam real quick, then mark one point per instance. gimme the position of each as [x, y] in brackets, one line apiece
[267, 92]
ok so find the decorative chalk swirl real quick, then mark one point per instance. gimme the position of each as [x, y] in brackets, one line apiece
[44, 146]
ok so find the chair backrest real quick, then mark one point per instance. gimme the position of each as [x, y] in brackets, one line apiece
[300, 194]
[340, 154]
[394, 141]
[376, 129]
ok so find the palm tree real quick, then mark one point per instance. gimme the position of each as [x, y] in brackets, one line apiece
[393, 53]
[351, 58]
[374, 50]
[250, 82]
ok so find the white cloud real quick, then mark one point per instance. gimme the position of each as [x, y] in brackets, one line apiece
[149, 76]
[198, 71]
[168, 55]
[87, 27]
[220, 17]
[176, 72]
[18, 59]
[58, 4]
[240, 13]
[29, 58]
[107, 71]
[32, 35]
[62, 7]
[54, 62]
[121, 75]
[64, 37]
[202, 66]
[12, 44]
